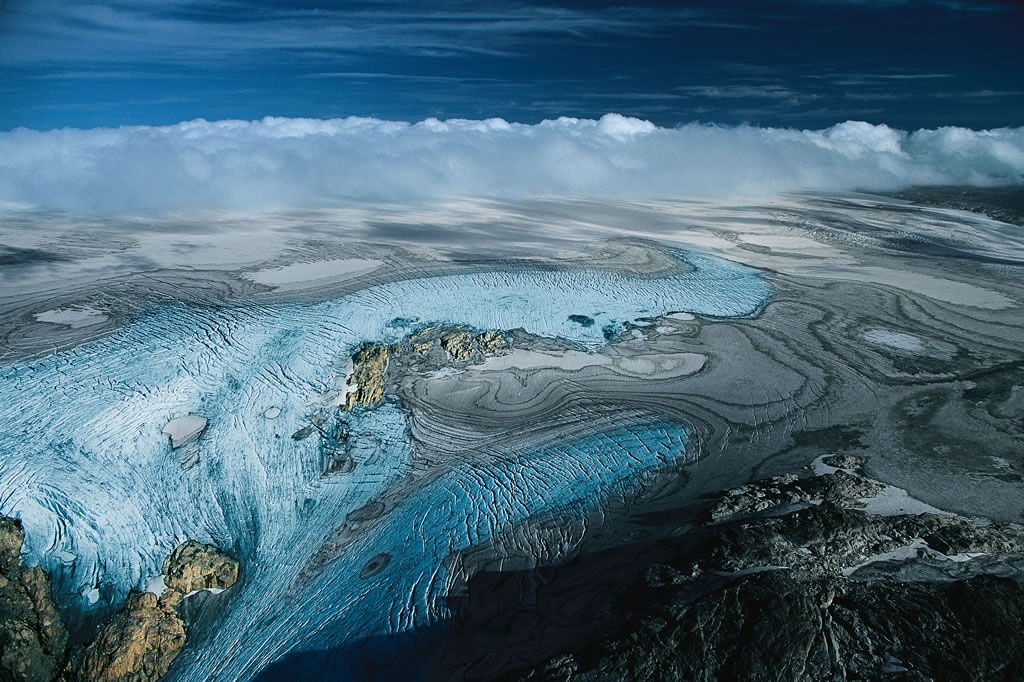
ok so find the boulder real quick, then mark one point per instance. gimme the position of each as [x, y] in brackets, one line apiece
[193, 566]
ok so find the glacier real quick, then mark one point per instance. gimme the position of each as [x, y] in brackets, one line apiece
[330, 561]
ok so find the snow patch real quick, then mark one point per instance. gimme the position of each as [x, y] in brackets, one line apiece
[184, 429]
[290, 276]
[75, 317]
[156, 585]
[894, 339]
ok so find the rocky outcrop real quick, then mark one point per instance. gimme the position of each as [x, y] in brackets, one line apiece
[840, 488]
[33, 639]
[462, 345]
[459, 344]
[137, 645]
[776, 626]
[793, 582]
[193, 566]
[367, 380]
[443, 344]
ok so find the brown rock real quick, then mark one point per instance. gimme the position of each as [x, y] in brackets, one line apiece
[370, 363]
[491, 342]
[137, 645]
[170, 599]
[459, 345]
[194, 566]
[33, 639]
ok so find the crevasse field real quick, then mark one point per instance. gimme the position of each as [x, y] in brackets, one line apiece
[104, 497]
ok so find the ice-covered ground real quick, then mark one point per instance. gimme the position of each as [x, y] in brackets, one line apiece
[87, 464]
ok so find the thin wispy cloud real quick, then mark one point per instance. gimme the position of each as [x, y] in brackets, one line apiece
[173, 33]
[372, 75]
[774, 92]
[878, 79]
[748, 61]
[956, 5]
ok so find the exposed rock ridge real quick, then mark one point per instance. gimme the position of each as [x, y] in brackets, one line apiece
[459, 344]
[366, 384]
[788, 491]
[140, 642]
[137, 644]
[33, 638]
[440, 345]
[796, 583]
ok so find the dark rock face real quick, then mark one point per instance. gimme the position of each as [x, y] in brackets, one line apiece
[776, 626]
[792, 582]
[1003, 204]
[33, 639]
[840, 488]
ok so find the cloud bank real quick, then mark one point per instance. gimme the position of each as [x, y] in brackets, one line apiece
[306, 163]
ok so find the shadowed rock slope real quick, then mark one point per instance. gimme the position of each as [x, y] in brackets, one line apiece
[790, 580]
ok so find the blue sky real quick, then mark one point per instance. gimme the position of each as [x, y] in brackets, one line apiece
[803, 63]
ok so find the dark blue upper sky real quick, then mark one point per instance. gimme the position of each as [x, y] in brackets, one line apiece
[799, 63]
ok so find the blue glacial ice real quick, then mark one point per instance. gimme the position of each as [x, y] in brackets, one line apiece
[85, 464]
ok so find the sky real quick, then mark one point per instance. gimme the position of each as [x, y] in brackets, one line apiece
[805, 64]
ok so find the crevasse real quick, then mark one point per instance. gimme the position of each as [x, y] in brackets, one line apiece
[85, 464]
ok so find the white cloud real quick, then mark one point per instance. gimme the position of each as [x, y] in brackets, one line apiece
[306, 163]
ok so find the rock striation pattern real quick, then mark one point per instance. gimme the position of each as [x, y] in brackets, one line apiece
[822, 591]
[33, 639]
